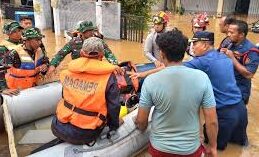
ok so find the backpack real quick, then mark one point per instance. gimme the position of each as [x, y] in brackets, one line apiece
[127, 86]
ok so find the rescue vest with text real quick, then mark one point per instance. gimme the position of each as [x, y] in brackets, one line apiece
[84, 84]
[26, 75]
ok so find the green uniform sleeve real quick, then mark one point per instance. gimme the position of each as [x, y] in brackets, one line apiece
[61, 54]
[3, 50]
[109, 55]
[5, 59]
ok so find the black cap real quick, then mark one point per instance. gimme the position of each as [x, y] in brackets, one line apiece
[203, 36]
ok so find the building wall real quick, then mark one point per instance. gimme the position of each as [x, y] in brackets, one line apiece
[200, 5]
[71, 12]
[160, 5]
[229, 6]
[253, 7]
[42, 14]
[111, 20]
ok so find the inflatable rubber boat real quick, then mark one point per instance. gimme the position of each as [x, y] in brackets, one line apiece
[28, 119]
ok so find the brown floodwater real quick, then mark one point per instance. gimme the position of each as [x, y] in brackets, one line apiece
[126, 50]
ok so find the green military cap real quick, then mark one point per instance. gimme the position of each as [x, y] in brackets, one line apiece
[3, 49]
[31, 33]
[85, 26]
[10, 27]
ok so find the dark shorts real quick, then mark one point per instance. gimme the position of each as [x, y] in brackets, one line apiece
[156, 153]
[72, 134]
[232, 121]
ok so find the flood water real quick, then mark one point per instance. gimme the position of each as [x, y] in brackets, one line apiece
[125, 50]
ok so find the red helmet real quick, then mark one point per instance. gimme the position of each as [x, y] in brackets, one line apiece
[198, 23]
[160, 17]
[204, 16]
[201, 20]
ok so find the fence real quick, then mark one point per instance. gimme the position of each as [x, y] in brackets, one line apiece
[132, 28]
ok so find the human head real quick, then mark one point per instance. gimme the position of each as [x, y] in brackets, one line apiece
[160, 21]
[224, 23]
[172, 45]
[86, 29]
[202, 42]
[13, 30]
[26, 22]
[200, 22]
[92, 48]
[237, 31]
[32, 38]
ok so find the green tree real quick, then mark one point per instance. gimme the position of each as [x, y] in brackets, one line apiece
[138, 7]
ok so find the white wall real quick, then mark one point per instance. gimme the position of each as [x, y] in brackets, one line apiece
[254, 7]
[42, 14]
[69, 13]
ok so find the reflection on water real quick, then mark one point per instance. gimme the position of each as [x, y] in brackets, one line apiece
[125, 50]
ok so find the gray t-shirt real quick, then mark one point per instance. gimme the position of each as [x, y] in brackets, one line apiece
[177, 92]
[151, 50]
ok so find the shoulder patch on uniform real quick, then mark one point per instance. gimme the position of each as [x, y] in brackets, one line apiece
[247, 61]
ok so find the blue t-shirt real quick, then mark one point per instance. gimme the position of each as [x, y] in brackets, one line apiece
[220, 70]
[225, 43]
[177, 100]
[251, 64]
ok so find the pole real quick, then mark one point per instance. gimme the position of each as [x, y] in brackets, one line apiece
[220, 8]
[99, 17]
[165, 5]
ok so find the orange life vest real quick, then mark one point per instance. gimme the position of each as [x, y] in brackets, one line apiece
[26, 75]
[84, 84]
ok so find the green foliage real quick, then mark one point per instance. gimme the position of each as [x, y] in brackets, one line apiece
[180, 10]
[138, 7]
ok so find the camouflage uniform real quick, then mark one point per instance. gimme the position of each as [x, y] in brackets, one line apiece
[11, 57]
[75, 44]
[4, 52]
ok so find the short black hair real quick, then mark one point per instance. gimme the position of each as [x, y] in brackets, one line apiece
[229, 19]
[25, 18]
[173, 44]
[242, 26]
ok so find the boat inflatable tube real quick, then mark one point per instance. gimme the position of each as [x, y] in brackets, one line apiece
[126, 141]
[33, 103]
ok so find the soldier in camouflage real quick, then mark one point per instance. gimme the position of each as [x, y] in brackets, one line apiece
[14, 32]
[14, 57]
[86, 29]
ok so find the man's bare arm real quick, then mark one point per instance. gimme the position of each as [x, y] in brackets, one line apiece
[211, 123]
[142, 118]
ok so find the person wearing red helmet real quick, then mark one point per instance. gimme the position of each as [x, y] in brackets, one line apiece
[199, 23]
[151, 50]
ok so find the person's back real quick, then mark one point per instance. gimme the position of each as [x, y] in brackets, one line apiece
[177, 94]
[176, 107]
[220, 70]
[90, 97]
[231, 111]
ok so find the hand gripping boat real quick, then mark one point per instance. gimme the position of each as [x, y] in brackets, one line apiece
[28, 120]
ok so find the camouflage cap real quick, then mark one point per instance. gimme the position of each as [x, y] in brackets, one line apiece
[85, 26]
[31, 33]
[10, 27]
[93, 45]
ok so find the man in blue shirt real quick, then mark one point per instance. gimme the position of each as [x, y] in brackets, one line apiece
[224, 23]
[175, 119]
[244, 55]
[231, 111]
